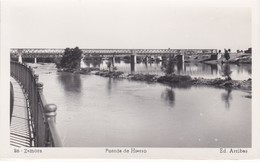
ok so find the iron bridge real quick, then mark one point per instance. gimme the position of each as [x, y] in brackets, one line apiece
[58, 52]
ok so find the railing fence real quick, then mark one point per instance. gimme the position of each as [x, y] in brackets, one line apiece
[41, 114]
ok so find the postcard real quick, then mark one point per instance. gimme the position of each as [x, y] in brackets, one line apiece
[128, 79]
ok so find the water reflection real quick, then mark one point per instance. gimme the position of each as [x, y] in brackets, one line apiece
[70, 82]
[244, 67]
[109, 85]
[227, 97]
[213, 68]
[93, 63]
[248, 69]
[87, 63]
[169, 96]
[180, 67]
[96, 64]
[226, 71]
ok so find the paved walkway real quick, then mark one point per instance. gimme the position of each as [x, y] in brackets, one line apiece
[20, 135]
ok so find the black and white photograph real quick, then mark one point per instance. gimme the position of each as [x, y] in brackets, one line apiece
[124, 78]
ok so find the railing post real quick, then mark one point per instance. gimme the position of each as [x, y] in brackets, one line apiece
[11, 101]
[35, 105]
[36, 77]
[50, 114]
[40, 87]
[38, 109]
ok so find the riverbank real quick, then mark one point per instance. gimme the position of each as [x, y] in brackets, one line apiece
[172, 80]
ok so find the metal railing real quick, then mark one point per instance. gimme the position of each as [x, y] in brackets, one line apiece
[41, 114]
[11, 101]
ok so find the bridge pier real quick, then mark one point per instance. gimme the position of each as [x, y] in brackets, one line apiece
[180, 67]
[20, 59]
[159, 58]
[180, 58]
[113, 60]
[146, 59]
[133, 60]
[219, 56]
[82, 63]
[35, 60]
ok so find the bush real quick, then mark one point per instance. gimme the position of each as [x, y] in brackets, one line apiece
[174, 78]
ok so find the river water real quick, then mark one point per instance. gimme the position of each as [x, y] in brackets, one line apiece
[94, 111]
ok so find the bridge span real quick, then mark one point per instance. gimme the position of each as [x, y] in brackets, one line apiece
[58, 52]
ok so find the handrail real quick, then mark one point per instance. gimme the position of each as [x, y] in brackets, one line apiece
[42, 114]
[11, 101]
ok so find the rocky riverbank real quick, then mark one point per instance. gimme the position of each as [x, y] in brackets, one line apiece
[173, 80]
[224, 83]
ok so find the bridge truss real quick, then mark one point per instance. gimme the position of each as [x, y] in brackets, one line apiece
[58, 52]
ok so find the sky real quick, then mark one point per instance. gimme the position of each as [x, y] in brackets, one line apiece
[128, 24]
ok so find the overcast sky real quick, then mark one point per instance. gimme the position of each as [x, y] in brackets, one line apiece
[128, 24]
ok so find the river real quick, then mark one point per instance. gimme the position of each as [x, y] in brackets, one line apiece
[94, 111]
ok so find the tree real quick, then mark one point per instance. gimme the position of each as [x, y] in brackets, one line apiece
[168, 68]
[226, 55]
[71, 58]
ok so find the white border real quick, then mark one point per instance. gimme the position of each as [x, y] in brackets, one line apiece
[153, 153]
